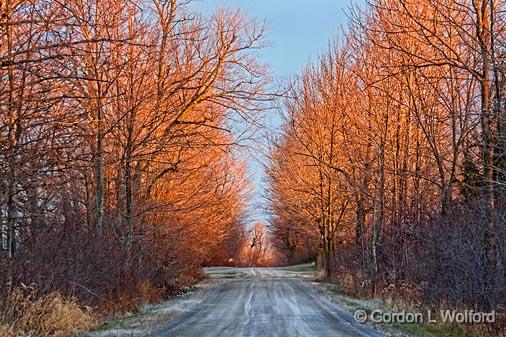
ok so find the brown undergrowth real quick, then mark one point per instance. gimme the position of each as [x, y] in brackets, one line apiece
[24, 313]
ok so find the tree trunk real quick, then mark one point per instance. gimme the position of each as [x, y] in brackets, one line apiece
[99, 174]
[128, 191]
[379, 219]
[484, 37]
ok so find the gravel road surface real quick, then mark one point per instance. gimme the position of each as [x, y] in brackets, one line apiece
[264, 302]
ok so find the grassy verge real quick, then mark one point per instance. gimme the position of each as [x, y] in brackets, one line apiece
[302, 268]
[351, 304]
[152, 317]
[224, 275]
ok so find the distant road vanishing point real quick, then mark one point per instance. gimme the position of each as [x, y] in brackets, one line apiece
[265, 302]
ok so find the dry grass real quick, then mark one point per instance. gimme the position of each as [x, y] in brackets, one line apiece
[6, 331]
[52, 315]
[149, 293]
[150, 318]
[124, 301]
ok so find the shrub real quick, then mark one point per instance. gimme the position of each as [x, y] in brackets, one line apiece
[149, 292]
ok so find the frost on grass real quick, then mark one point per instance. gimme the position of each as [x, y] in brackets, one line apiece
[350, 304]
[151, 318]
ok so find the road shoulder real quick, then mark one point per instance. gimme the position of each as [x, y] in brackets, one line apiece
[151, 318]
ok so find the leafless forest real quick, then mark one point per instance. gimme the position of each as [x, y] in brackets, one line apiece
[119, 177]
[391, 165]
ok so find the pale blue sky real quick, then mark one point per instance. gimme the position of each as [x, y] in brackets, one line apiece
[298, 31]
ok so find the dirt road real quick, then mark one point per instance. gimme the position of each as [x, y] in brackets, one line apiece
[264, 302]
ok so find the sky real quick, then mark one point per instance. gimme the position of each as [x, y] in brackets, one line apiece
[299, 30]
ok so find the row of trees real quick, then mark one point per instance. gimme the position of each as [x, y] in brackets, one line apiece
[116, 138]
[391, 164]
